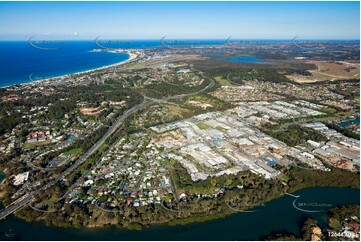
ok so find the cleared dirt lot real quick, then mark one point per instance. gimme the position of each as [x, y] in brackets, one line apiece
[329, 71]
[90, 111]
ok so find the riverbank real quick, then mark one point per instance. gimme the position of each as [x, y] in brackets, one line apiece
[201, 210]
[131, 57]
[238, 226]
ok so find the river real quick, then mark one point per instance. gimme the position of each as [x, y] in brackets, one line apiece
[276, 215]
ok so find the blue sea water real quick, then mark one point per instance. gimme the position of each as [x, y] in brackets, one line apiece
[19, 59]
[245, 59]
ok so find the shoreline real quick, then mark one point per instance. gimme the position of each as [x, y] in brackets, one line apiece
[191, 219]
[148, 229]
[132, 56]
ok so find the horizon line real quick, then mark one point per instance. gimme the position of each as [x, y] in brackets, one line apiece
[218, 39]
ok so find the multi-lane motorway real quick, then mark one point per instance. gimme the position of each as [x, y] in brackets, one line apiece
[16, 205]
[27, 198]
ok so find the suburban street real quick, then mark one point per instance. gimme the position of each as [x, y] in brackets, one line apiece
[27, 198]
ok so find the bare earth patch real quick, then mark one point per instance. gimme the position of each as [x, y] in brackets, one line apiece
[329, 71]
[91, 111]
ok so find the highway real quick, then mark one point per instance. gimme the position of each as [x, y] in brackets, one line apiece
[101, 141]
[27, 198]
[16, 205]
[173, 186]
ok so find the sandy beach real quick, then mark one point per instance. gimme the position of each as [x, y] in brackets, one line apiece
[132, 56]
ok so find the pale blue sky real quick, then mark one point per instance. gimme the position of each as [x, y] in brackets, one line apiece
[188, 20]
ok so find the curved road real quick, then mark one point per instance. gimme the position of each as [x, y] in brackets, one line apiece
[27, 198]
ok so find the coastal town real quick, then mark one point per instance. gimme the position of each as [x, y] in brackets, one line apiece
[129, 136]
[180, 120]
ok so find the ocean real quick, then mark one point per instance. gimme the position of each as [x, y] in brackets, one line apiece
[26, 61]
[22, 61]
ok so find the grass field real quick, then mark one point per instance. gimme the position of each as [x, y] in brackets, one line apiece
[37, 144]
[224, 82]
[202, 126]
[175, 110]
[73, 152]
